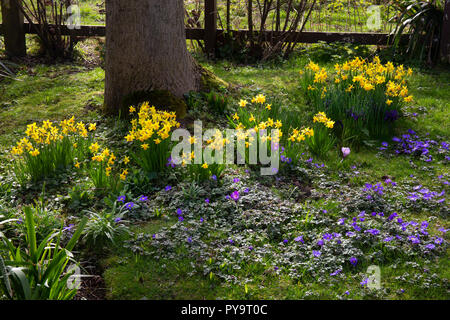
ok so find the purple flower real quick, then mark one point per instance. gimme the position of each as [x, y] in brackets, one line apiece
[201, 220]
[364, 282]
[430, 246]
[68, 228]
[168, 188]
[438, 240]
[353, 261]
[129, 205]
[336, 272]
[143, 198]
[392, 216]
[121, 199]
[250, 248]
[345, 152]
[316, 253]
[117, 220]
[414, 239]
[350, 234]
[214, 177]
[235, 195]
[231, 241]
[189, 239]
[179, 212]
[180, 218]
[285, 241]
[246, 190]
[236, 180]
[320, 242]
[299, 239]
[207, 200]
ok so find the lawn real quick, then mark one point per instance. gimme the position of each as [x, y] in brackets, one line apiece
[283, 236]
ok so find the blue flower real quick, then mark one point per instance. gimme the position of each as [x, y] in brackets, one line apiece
[121, 199]
[364, 282]
[316, 253]
[336, 272]
[353, 261]
[299, 239]
[143, 198]
[129, 205]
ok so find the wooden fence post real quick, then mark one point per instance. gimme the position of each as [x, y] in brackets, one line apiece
[210, 26]
[445, 34]
[13, 28]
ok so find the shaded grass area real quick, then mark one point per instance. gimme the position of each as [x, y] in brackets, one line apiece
[59, 91]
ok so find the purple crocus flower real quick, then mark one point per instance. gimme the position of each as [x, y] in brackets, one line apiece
[336, 272]
[364, 282]
[345, 152]
[235, 195]
[69, 227]
[129, 205]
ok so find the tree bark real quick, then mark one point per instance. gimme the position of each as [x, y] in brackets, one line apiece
[146, 50]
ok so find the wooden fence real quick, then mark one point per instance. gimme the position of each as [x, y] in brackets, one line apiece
[13, 29]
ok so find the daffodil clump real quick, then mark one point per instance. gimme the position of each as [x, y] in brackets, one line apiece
[50, 147]
[212, 162]
[149, 137]
[262, 116]
[370, 94]
[323, 140]
[105, 170]
[254, 121]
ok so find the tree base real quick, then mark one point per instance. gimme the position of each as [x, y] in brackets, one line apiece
[160, 99]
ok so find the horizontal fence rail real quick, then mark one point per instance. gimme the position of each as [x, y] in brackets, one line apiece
[366, 38]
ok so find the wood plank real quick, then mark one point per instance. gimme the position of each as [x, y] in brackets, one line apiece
[369, 38]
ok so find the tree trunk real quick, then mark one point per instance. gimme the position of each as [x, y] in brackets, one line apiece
[146, 51]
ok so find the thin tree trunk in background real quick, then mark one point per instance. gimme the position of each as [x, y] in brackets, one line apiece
[14, 34]
[250, 21]
[146, 50]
